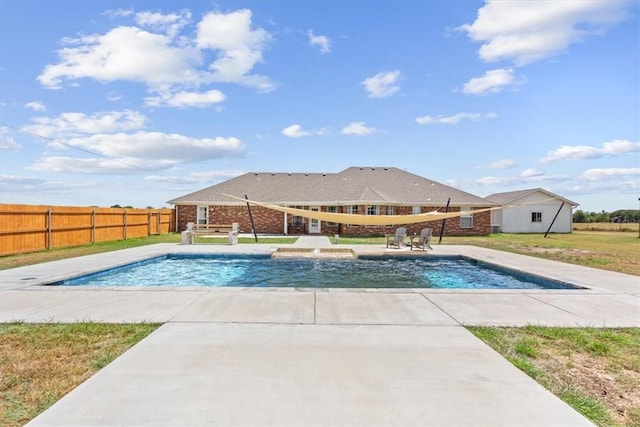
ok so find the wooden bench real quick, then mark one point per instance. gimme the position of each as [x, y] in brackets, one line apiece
[211, 229]
[227, 230]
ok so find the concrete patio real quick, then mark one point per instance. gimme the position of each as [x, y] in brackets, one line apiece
[314, 357]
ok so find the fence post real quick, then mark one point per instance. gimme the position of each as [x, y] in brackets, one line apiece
[149, 224]
[49, 225]
[93, 226]
[124, 229]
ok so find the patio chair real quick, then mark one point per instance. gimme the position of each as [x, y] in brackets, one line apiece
[397, 239]
[424, 240]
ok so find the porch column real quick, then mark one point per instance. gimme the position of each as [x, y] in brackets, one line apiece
[286, 227]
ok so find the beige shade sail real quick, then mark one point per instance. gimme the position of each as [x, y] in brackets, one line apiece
[358, 219]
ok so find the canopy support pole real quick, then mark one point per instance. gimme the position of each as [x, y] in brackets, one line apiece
[554, 219]
[446, 209]
[253, 227]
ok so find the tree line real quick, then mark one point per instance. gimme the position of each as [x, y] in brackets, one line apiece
[621, 215]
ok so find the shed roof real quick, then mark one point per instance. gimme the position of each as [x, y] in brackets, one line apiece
[354, 185]
[513, 196]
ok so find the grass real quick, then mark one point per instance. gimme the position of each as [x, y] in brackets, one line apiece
[12, 261]
[596, 371]
[40, 363]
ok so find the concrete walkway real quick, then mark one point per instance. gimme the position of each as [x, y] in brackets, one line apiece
[314, 357]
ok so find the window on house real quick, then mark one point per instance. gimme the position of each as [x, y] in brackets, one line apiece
[389, 211]
[296, 220]
[536, 216]
[332, 209]
[202, 215]
[373, 210]
[466, 217]
[353, 210]
[415, 210]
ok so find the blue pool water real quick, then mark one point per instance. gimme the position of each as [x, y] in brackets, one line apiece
[364, 272]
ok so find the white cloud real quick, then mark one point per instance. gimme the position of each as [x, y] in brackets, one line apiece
[239, 47]
[159, 57]
[69, 124]
[6, 141]
[455, 119]
[36, 106]
[382, 85]
[609, 173]
[530, 173]
[526, 177]
[170, 23]
[118, 13]
[615, 147]
[130, 153]
[358, 128]
[321, 41]
[503, 164]
[492, 81]
[295, 131]
[207, 177]
[24, 184]
[525, 31]
[185, 99]
[124, 53]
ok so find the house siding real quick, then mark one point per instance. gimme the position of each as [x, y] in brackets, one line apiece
[268, 221]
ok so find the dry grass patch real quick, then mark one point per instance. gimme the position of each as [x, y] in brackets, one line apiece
[40, 363]
[597, 371]
[613, 251]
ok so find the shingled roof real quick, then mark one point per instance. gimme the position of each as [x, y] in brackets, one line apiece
[352, 186]
[513, 196]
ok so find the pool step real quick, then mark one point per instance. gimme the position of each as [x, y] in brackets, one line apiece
[314, 253]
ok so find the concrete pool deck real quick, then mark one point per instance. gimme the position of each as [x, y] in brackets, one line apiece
[307, 357]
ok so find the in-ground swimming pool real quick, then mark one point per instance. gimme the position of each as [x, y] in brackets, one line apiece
[364, 272]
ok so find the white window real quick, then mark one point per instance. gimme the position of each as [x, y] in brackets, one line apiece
[389, 211]
[536, 216]
[373, 210]
[466, 217]
[332, 209]
[415, 210]
[353, 210]
[297, 221]
[203, 215]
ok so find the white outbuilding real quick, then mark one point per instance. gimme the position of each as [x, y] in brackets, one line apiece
[531, 211]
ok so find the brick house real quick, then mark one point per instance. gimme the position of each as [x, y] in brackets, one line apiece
[356, 190]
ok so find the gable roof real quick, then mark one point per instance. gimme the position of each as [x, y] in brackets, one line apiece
[354, 185]
[513, 196]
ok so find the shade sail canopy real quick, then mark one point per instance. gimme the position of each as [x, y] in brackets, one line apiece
[358, 219]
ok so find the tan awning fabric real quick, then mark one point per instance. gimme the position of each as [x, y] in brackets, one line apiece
[365, 219]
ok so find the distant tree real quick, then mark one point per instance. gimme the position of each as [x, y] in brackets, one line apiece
[579, 216]
[116, 206]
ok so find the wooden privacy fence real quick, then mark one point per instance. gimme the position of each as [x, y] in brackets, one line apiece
[28, 228]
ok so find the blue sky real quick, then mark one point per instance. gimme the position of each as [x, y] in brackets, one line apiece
[136, 103]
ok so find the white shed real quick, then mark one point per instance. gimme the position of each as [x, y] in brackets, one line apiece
[531, 211]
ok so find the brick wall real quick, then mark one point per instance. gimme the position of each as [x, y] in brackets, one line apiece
[272, 222]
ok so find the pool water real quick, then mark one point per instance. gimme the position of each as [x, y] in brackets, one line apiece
[364, 272]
